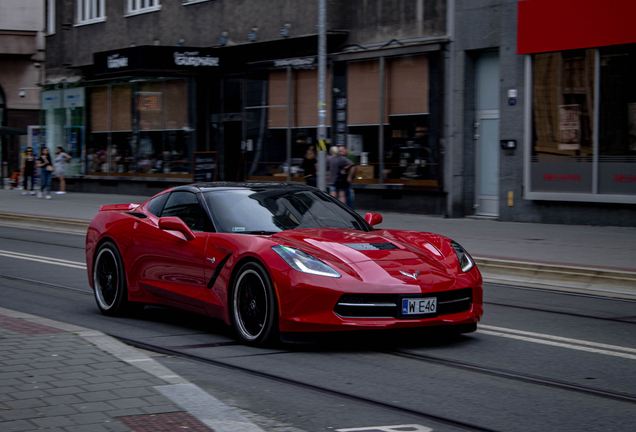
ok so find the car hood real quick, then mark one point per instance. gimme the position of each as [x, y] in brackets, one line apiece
[422, 250]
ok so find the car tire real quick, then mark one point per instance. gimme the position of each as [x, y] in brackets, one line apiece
[109, 282]
[254, 311]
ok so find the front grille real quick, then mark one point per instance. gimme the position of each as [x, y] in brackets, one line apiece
[387, 305]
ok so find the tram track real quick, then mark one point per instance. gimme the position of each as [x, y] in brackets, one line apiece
[501, 373]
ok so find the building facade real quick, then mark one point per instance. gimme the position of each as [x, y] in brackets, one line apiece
[543, 111]
[452, 107]
[21, 72]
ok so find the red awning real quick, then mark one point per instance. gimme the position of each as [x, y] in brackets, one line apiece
[558, 25]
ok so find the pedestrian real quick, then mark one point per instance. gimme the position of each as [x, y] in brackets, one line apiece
[338, 174]
[46, 170]
[352, 157]
[28, 166]
[61, 159]
[309, 166]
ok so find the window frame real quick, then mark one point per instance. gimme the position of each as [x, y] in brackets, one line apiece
[83, 9]
[189, 2]
[135, 7]
[594, 196]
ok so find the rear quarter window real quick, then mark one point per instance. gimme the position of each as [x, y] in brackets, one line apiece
[155, 206]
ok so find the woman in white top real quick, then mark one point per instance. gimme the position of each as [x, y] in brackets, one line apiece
[61, 159]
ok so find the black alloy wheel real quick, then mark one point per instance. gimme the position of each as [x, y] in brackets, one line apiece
[254, 309]
[109, 281]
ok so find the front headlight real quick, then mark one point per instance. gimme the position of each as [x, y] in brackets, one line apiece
[465, 261]
[303, 262]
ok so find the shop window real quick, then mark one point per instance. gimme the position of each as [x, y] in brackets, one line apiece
[409, 156]
[617, 121]
[88, 12]
[563, 119]
[563, 158]
[266, 125]
[140, 130]
[142, 6]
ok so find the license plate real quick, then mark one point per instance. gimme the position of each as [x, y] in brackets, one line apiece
[419, 306]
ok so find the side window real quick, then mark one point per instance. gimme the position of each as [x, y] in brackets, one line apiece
[185, 205]
[156, 204]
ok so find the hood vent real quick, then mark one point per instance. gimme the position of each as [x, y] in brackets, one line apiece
[371, 246]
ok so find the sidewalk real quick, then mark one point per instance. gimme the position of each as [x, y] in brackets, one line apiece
[590, 259]
[62, 377]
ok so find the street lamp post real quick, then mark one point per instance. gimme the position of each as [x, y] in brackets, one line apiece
[322, 98]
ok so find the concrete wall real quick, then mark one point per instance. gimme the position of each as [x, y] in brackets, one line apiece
[201, 24]
[22, 15]
[486, 25]
[372, 21]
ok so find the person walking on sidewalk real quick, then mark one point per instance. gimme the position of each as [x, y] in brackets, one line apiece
[338, 174]
[28, 165]
[61, 159]
[46, 169]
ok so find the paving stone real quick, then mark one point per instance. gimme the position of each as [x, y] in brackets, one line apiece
[33, 386]
[18, 414]
[31, 394]
[89, 428]
[135, 392]
[57, 410]
[62, 399]
[125, 412]
[64, 390]
[116, 426]
[129, 403]
[69, 383]
[31, 379]
[89, 418]
[98, 396]
[87, 407]
[48, 422]
[100, 386]
[27, 403]
[16, 426]
[160, 409]
[141, 383]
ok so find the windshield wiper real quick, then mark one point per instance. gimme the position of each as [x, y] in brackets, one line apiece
[257, 232]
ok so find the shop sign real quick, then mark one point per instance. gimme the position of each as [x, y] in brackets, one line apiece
[149, 58]
[194, 59]
[297, 63]
[116, 61]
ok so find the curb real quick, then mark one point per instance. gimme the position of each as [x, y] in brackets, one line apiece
[590, 281]
[75, 226]
[191, 398]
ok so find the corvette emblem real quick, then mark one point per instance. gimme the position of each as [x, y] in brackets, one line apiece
[414, 275]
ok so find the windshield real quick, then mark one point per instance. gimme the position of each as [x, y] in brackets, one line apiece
[270, 211]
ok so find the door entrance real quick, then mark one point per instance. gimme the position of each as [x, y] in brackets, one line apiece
[487, 188]
[232, 155]
[487, 135]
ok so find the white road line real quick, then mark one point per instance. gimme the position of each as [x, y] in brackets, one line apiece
[559, 338]
[45, 260]
[559, 344]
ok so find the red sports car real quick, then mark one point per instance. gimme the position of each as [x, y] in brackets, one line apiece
[276, 259]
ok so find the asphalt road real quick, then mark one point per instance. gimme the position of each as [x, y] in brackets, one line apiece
[540, 361]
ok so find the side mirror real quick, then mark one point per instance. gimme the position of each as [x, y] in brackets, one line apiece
[172, 223]
[373, 219]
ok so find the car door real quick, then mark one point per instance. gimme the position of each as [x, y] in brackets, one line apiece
[168, 265]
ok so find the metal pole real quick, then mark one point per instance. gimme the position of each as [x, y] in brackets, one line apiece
[381, 135]
[322, 99]
[289, 121]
